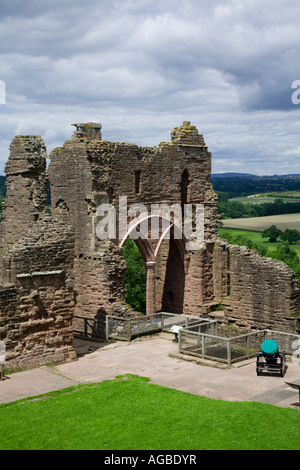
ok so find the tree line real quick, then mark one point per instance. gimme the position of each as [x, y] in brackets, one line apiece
[289, 235]
[246, 185]
[236, 210]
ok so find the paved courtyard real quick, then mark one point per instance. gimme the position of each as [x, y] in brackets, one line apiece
[157, 358]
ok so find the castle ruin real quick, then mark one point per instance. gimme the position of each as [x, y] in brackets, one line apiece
[55, 267]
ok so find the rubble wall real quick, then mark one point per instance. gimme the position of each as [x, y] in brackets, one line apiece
[37, 310]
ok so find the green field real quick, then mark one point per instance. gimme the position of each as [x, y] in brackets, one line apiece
[131, 413]
[252, 200]
[286, 196]
[261, 223]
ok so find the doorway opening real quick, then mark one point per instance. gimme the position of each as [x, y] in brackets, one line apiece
[135, 277]
[174, 283]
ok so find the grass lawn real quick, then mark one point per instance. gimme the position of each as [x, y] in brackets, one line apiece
[130, 413]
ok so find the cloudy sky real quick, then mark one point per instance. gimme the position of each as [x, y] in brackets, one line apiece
[141, 67]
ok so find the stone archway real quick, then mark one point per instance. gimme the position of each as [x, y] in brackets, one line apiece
[149, 249]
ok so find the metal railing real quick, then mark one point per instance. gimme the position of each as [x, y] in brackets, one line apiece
[198, 337]
[87, 328]
[126, 328]
[194, 342]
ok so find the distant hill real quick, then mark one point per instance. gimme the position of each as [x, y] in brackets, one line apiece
[241, 184]
[249, 175]
[232, 175]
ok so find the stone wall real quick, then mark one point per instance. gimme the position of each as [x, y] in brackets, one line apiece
[264, 293]
[8, 303]
[38, 307]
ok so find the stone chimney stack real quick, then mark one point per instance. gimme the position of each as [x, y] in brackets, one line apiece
[89, 130]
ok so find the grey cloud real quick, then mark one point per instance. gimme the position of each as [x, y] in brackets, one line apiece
[142, 66]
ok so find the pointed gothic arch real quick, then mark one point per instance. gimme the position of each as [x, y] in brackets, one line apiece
[149, 249]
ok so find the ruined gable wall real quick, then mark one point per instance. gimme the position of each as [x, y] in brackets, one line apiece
[114, 167]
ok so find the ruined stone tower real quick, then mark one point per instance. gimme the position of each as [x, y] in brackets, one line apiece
[36, 260]
[26, 190]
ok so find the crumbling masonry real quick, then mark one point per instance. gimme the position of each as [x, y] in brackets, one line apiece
[55, 268]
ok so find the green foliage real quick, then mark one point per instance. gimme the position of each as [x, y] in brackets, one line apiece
[130, 413]
[135, 280]
[246, 185]
[289, 256]
[272, 233]
[237, 209]
[290, 235]
[223, 197]
[2, 186]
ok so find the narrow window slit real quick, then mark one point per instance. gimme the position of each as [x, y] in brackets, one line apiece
[137, 181]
